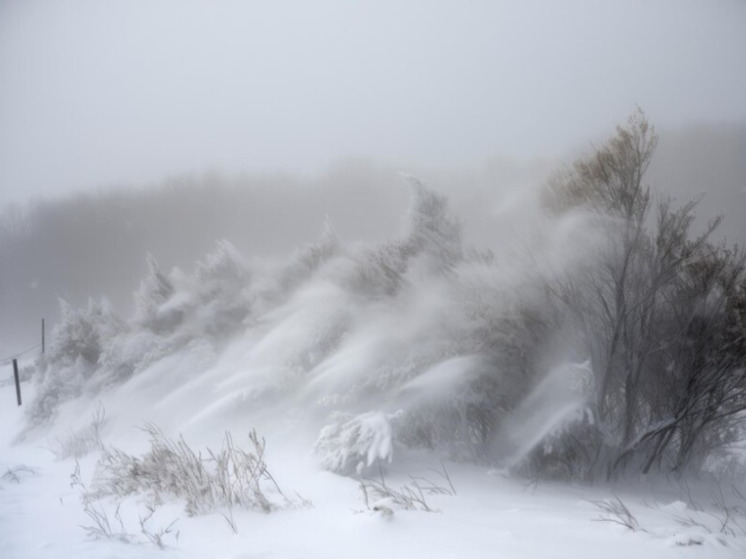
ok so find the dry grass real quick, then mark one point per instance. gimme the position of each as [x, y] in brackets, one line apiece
[378, 495]
[230, 477]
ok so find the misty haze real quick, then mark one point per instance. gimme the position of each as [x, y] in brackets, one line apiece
[332, 278]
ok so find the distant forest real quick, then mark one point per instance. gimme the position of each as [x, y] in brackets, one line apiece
[95, 244]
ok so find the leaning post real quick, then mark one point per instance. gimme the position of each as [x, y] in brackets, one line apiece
[18, 381]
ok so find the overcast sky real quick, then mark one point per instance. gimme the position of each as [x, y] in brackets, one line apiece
[96, 93]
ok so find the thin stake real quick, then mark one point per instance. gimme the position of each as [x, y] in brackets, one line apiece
[18, 381]
[42, 336]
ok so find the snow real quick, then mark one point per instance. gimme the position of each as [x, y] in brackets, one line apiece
[555, 400]
[489, 516]
[328, 364]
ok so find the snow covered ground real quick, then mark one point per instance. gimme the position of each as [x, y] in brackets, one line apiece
[41, 514]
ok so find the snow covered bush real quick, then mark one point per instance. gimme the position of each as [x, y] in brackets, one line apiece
[83, 333]
[220, 303]
[306, 262]
[155, 290]
[430, 245]
[127, 354]
[432, 229]
[352, 444]
[379, 271]
[212, 302]
[492, 331]
[63, 382]
[79, 341]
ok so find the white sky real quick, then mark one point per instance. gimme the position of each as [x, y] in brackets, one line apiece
[94, 93]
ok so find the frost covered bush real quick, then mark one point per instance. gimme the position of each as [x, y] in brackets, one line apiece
[430, 246]
[65, 382]
[307, 262]
[93, 349]
[128, 353]
[212, 302]
[463, 416]
[221, 303]
[306, 332]
[352, 444]
[154, 291]
[379, 272]
[432, 229]
[83, 333]
[486, 344]
[78, 344]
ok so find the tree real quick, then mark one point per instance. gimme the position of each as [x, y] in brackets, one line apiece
[701, 384]
[635, 310]
[154, 291]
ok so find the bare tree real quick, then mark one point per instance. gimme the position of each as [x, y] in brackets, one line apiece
[662, 385]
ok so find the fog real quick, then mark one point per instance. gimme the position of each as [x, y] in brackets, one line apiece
[163, 127]
[99, 94]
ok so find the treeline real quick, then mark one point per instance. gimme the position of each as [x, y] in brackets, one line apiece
[612, 343]
[94, 244]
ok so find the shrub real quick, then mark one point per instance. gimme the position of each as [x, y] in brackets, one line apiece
[353, 443]
[155, 290]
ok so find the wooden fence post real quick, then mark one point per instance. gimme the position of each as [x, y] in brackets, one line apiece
[18, 381]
